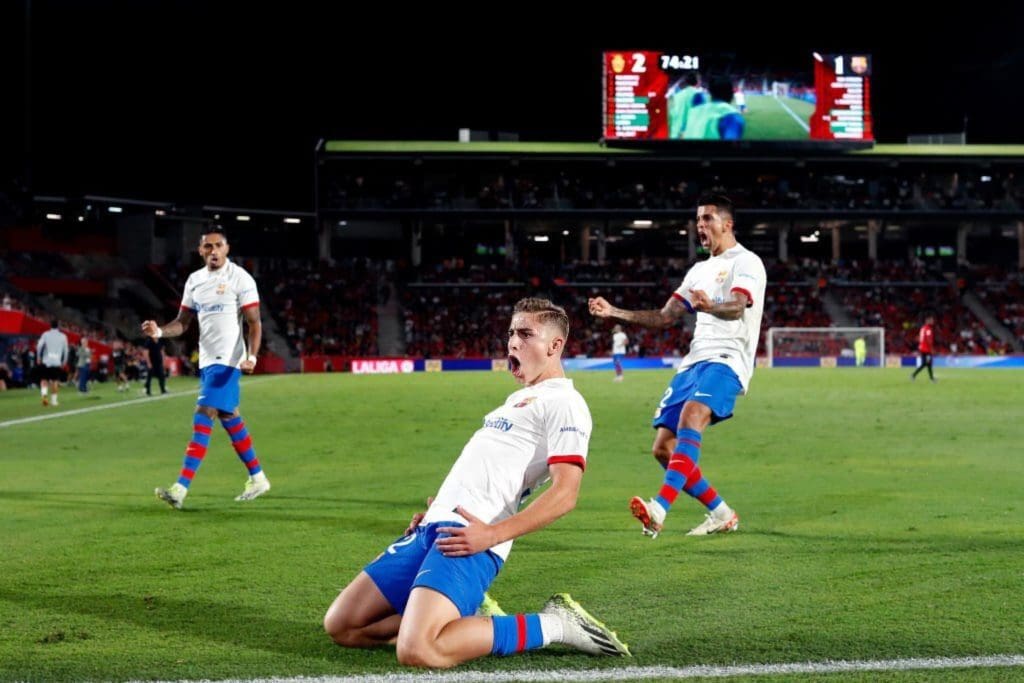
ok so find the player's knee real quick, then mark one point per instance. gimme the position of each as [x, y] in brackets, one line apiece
[341, 633]
[696, 416]
[334, 629]
[347, 637]
[420, 653]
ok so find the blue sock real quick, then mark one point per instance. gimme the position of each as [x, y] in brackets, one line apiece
[242, 443]
[196, 451]
[516, 633]
[683, 460]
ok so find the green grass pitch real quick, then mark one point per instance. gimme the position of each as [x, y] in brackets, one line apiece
[768, 119]
[880, 519]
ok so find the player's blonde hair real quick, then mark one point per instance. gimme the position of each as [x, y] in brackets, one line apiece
[546, 311]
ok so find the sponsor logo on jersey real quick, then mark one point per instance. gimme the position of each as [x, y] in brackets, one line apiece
[211, 308]
[499, 423]
[577, 430]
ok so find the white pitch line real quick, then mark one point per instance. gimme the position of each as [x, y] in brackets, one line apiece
[110, 406]
[803, 124]
[641, 673]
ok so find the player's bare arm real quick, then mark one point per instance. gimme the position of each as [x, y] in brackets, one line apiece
[174, 328]
[252, 320]
[555, 502]
[666, 317]
[727, 310]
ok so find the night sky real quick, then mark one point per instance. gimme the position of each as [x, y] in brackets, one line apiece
[218, 103]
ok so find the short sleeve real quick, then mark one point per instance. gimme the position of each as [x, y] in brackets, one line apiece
[568, 426]
[749, 277]
[186, 298]
[248, 295]
[682, 292]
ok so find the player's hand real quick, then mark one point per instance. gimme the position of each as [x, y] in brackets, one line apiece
[700, 300]
[418, 517]
[149, 328]
[466, 540]
[247, 366]
[599, 307]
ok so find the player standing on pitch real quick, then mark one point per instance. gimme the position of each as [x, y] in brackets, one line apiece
[220, 294]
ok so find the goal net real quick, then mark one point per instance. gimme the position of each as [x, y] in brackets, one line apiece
[826, 346]
[780, 89]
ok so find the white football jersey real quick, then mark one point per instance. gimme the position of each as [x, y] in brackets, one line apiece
[733, 342]
[52, 348]
[508, 458]
[619, 341]
[218, 298]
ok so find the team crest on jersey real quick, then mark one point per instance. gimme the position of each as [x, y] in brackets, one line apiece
[721, 276]
[221, 288]
[525, 402]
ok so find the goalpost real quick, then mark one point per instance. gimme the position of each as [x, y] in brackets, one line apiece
[825, 346]
[780, 89]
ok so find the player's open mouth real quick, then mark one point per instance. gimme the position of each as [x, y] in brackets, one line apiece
[514, 366]
[703, 238]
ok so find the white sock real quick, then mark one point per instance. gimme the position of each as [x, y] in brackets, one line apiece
[550, 628]
[723, 511]
[658, 513]
[44, 390]
[259, 476]
[54, 399]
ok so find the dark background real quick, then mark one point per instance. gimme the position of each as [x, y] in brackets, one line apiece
[222, 103]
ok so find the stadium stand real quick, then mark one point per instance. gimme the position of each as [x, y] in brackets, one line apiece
[422, 254]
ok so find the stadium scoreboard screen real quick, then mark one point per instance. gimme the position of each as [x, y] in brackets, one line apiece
[651, 95]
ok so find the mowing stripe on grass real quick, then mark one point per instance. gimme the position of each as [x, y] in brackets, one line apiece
[803, 124]
[665, 672]
[122, 404]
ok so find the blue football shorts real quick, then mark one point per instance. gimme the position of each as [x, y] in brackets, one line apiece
[415, 560]
[219, 387]
[713, 384]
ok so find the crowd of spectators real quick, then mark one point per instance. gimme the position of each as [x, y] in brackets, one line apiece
[598, 187]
